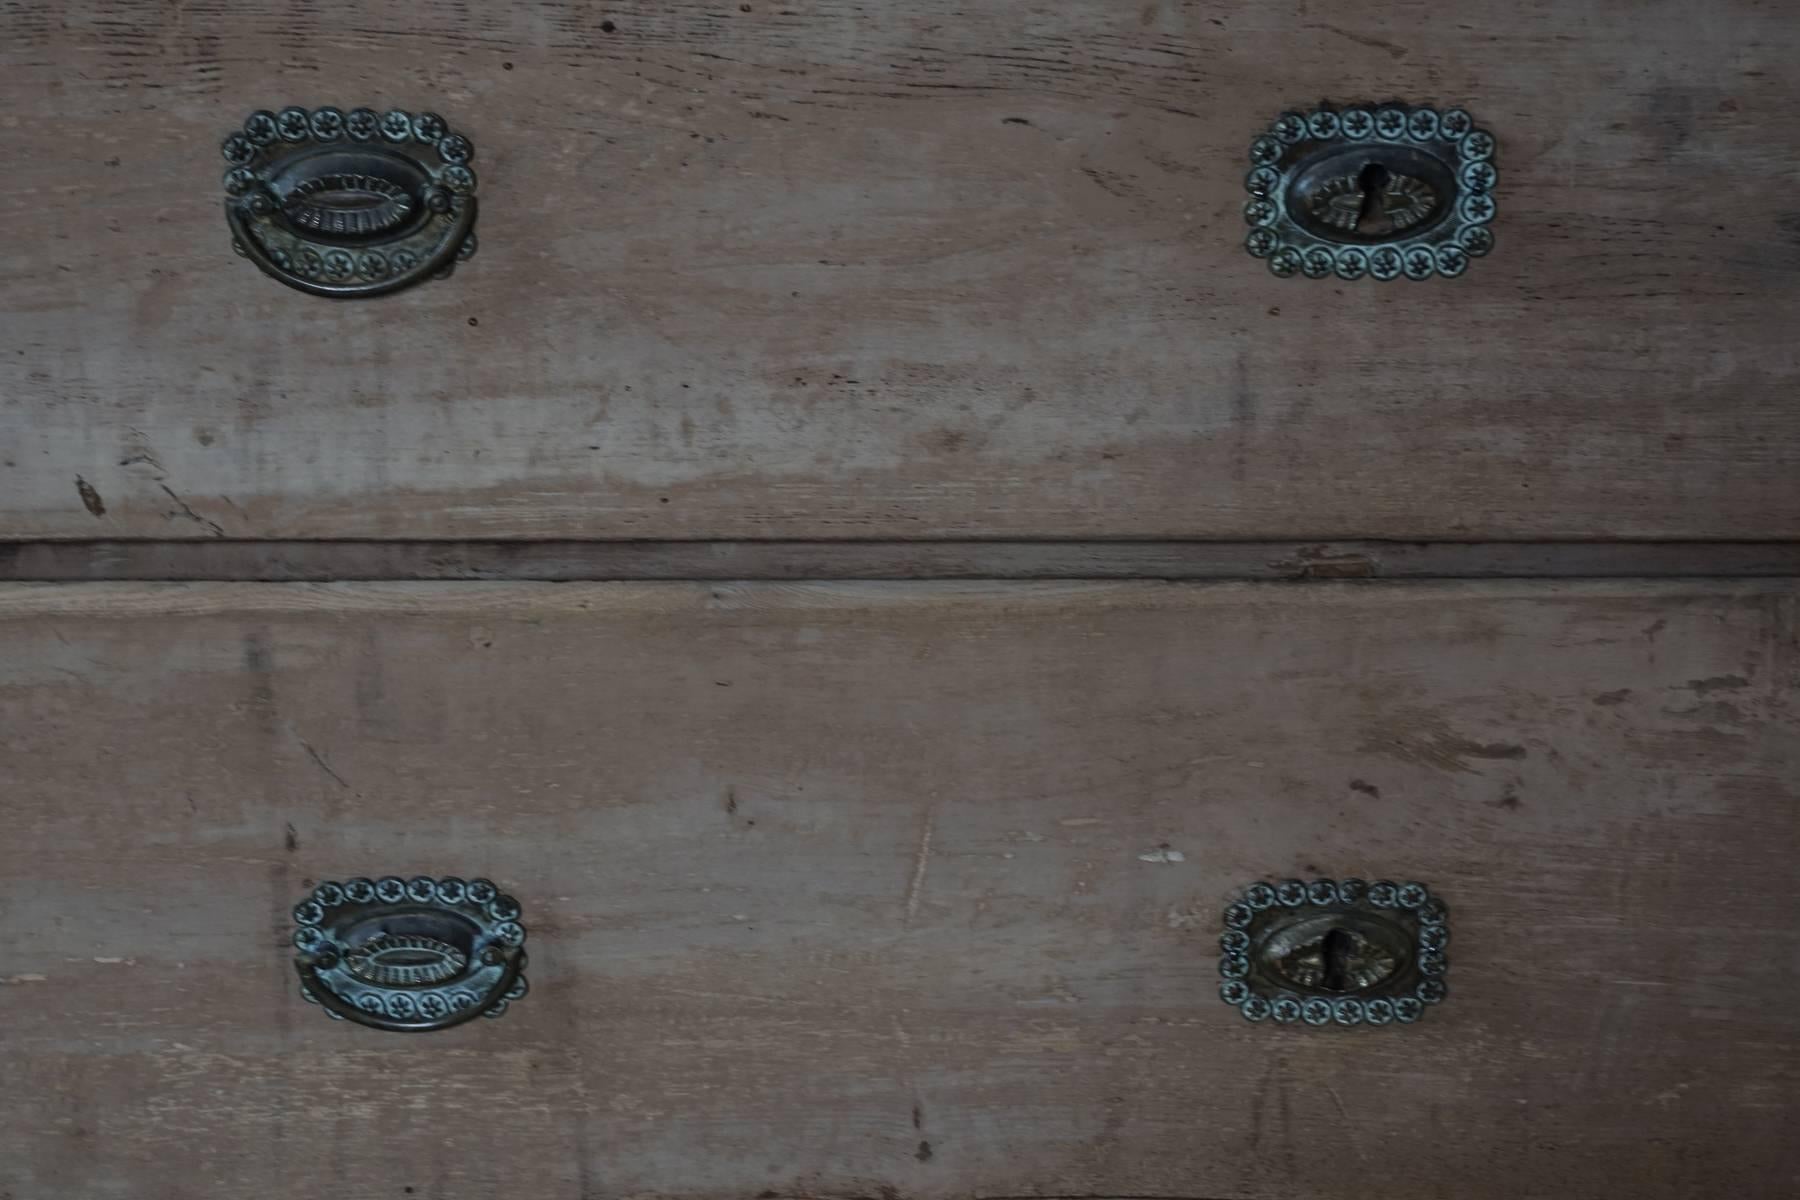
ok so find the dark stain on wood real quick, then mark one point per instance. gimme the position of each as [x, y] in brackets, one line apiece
[259, 667]
[90, 498]
[1717, 683]
[1375, 43]
[1323, 562]
[1423, 738]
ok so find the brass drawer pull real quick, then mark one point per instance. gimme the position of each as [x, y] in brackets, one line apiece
[410, 955]
[1383, 191]
[1334, 952]
[350, 204]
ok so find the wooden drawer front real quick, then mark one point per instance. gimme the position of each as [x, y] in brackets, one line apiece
[817, 270]
[899, 890]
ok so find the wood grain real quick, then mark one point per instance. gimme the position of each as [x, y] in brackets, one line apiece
[832, 269]
[842, 891]
[788, 561]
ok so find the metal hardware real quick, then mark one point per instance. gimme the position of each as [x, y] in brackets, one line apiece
[1382, 191]
[410, 955]
[1334, 952]
[350, 204]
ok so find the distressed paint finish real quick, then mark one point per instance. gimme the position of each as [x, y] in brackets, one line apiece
[867, 890]
[860, 270]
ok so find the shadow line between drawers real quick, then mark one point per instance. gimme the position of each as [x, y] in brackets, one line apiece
[298, 561]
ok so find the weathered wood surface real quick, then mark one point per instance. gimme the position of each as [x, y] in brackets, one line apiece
[842, 891]
[789, 561]
[849, 269]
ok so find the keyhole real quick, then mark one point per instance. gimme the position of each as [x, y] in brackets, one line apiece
[1334, 952]
[1372, 180]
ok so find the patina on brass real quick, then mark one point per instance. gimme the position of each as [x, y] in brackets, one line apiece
[350, 204]
[1382, 191]
[1334, 952]
[410, 955]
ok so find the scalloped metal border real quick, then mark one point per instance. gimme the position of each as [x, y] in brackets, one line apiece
[1324, 895]
[497, 914]
[1396, 124]
[344, 272]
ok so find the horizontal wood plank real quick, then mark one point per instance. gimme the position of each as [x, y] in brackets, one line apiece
[832, 269]
[323, 561]
[900, 890]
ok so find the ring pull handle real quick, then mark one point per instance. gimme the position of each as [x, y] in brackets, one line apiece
[314, 988]
[410, 955]
[350, 204]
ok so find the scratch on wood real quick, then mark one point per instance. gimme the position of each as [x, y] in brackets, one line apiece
[320, 760]
[734, 997]
[1393, 48]
[186, 511]
[1426, 739]
[921, 862]
[1344, 1116]
[1257, 1099]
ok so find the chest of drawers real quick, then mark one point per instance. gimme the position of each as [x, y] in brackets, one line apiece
[974, 570]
